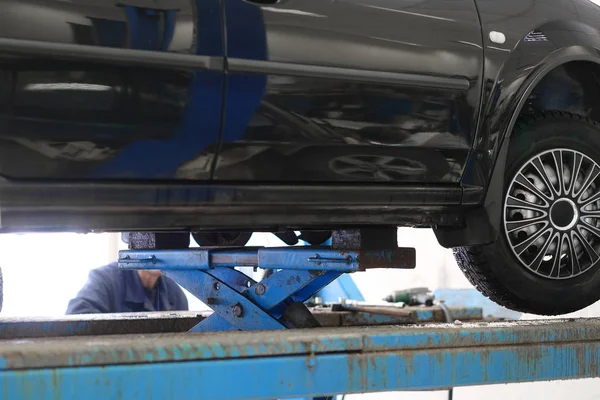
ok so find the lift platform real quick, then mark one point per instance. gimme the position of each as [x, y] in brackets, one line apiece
[261, 341]
[298, 363]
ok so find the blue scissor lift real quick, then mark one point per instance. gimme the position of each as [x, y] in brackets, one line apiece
[262, 342]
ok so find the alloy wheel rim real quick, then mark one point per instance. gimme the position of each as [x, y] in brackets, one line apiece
[552, 214]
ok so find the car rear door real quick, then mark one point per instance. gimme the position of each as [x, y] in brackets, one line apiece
[350, 90]
[103, 89]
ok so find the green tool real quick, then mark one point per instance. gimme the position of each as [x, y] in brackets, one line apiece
[411, 297]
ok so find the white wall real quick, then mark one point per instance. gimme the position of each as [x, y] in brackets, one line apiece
[42, 272]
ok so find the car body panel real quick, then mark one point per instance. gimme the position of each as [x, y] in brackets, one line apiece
[76, 103]
[292, 119]
[540, 37]
[350, 91]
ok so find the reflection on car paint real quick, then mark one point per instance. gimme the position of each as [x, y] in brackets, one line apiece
[306, 128]
[65, 119]
[84, 120]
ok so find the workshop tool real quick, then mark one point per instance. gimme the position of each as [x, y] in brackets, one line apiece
[394, 310]
[411, 297]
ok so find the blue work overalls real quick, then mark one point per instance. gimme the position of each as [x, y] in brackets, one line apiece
[113, 290]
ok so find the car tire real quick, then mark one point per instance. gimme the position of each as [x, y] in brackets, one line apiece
[225, 239]
[526, 269]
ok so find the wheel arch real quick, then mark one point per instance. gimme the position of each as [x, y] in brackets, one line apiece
[505, 101]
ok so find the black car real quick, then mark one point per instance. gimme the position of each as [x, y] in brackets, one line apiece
[477, 118]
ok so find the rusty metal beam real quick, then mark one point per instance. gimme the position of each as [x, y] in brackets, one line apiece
[98, 324]
[238, 365]
[183, 321]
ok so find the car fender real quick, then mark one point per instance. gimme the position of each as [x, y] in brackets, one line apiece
[521, 71]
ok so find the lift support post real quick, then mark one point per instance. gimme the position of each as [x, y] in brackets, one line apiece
[276, 302]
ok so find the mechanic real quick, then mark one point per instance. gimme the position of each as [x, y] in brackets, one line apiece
[113, 290]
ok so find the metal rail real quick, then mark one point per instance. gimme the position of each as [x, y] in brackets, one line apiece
[183, 321]
[301, 363]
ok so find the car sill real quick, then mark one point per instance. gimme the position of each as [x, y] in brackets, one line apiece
[73, 206]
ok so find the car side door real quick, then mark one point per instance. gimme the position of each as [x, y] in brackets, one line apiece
[350, 90]
[104, 89]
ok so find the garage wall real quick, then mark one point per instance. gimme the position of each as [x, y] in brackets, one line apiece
[42, 272]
